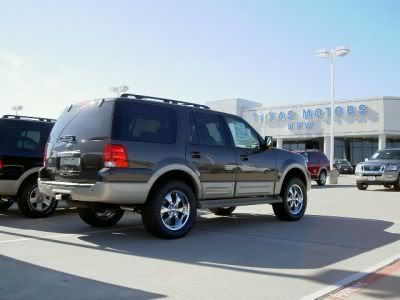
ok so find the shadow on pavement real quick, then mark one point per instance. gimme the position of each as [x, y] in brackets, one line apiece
[319, 187]
[245, 240]
[21, 280]
[251, 243]
[391, 190]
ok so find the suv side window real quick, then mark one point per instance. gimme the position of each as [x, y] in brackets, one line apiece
[208, 130]
[144, 123]
[243, 135]
[193, 132]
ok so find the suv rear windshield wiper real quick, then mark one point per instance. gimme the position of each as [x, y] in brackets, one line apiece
[66, 138]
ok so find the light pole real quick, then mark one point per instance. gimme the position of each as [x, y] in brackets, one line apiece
[17, 108]
[119, 89]
[331, 54]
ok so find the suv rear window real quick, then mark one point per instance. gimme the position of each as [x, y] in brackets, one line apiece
[23, 136]
[312, 157]
[142, 122]
[85, 122]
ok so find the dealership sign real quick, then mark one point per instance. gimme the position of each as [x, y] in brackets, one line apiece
[305, 118]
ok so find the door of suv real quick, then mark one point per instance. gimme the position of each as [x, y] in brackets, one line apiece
[210, 153]
[256, 168]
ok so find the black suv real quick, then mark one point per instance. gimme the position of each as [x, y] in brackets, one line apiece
[22, 145]
[165, 159]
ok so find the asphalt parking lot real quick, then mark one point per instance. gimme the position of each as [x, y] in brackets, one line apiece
[249, 255]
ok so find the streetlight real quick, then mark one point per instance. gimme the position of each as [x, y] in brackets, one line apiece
[331, 54]
[17, 108]
[119, 89]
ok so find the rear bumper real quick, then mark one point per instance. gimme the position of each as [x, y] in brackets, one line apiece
[104, 192]
[385, 178]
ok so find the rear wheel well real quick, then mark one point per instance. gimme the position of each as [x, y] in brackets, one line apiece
[295, 173]
[323, 170]
[33, 176]
[174, 175]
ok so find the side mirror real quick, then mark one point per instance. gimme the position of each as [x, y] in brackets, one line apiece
[268, 141]
[366, 159]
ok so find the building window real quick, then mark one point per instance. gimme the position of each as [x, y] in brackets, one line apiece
[360, 149]
[392, 143]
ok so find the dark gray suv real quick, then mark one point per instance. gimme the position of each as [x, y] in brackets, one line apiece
[165, 159]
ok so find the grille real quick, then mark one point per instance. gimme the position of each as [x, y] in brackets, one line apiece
[375, 168]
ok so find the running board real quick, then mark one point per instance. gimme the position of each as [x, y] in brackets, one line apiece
[239, 202]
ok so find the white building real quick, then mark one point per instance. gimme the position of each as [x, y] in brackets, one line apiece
[361, 126]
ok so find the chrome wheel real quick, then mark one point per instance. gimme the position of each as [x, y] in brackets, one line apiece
[175, 210]
[295, 199]
[38, 201]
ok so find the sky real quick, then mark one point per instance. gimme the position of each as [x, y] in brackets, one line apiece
[56, 53]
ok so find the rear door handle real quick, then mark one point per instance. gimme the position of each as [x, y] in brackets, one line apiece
[196, 154]
[244, 157]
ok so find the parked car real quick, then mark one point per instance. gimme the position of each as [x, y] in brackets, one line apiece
[165, 159]
[383, 168]
[317, 163]
[343, 166]
[22, 144]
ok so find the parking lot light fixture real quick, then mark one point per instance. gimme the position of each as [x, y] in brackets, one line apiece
[17, 108]
[331, 55]
[119, 89]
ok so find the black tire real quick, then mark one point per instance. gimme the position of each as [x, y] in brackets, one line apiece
[42, 208]
[223, 211]
[284, 211]
[5, 203]
[396, 185]
[362, 186]
[100, 217]
[183, 212]
[322, 178]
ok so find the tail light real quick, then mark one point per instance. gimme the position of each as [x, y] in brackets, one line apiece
[44, 155]
[1, 164]
[115, 156]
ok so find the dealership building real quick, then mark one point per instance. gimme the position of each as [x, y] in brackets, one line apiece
[361, 126]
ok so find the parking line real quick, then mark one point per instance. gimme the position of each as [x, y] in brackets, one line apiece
[362, 277]
[65, 234]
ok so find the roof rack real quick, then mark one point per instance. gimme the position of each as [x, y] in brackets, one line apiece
[170, 101]
[15, 117]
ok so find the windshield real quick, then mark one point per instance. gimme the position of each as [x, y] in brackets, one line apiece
[386, 154]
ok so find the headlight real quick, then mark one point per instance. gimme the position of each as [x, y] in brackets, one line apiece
[392, 167]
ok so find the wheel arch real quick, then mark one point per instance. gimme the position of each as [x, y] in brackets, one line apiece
[28, 175]
[176, 172]
[294, 170]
